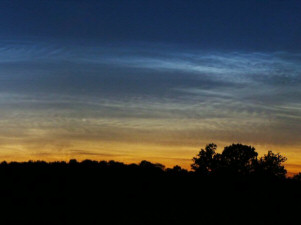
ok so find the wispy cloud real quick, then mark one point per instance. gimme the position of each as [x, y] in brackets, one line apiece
[115, 96]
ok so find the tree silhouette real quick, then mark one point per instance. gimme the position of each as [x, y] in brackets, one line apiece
[239, 159]
[204, 163]
[271, 165]
[176, 170]
[151, 166]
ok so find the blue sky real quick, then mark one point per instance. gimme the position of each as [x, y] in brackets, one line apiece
[148, 79]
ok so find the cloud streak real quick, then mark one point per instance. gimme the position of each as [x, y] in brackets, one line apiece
[63, 97]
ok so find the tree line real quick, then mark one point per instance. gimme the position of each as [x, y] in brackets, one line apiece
[233, 187]
[237, 160]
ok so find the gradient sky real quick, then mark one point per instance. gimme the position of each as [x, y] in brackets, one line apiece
[154, 80]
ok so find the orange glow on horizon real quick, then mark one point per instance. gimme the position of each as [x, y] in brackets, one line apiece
[129, 153]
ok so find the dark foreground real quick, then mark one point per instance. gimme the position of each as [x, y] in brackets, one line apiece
[113, 193]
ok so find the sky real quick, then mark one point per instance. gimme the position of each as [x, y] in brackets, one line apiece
[154, 80]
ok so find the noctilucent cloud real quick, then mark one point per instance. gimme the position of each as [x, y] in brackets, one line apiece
[155, 80]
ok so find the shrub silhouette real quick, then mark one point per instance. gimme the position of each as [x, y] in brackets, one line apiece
[297, 177]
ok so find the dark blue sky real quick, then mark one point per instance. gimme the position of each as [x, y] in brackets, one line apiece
[132, 80]
[257, 25]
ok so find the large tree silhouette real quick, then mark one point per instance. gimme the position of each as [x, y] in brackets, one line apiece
[205, 162]
[239, 159]
[271, 165]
